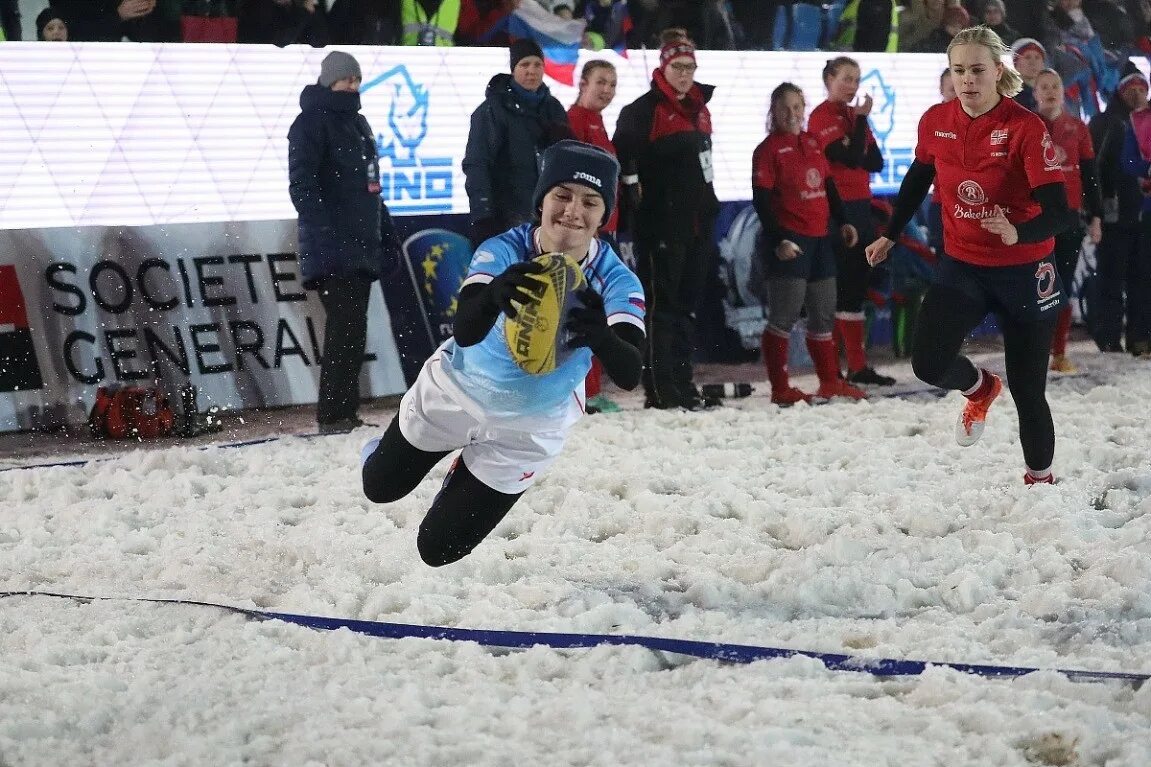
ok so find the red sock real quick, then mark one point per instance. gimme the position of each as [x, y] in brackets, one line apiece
[986, 384]
[1062, 330]
[775, 349]
[591, 384]
[851, 331]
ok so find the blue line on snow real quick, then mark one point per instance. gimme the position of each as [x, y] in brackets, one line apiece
[720, 651]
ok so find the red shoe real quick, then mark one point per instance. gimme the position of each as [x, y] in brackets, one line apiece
[1031, 479]
[969, 427]
[839, 388]
[789, 396]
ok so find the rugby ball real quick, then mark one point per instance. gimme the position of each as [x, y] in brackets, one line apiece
[533, 337]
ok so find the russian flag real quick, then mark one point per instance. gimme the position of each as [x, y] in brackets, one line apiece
[559, 38]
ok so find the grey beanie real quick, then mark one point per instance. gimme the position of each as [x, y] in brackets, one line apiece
[336, 66]
[574, 161]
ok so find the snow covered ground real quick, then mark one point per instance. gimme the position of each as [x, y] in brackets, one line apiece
[858, 529]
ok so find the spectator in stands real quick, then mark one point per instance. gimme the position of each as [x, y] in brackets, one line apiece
[481, 22]
[954, 20]
[364, 22]
[50, 26]
[597, 85]
[345, 230]
[517, 121]
[918, 20]
[755, 18]
[10, 28]
[1125, 279]
[1136, 159]
[1030, 58]
[113, 20]
[1073, 141]
[610, 20]
[429, 22]
[995, 16]
[664, 143]
[796, 201]
[281, 22]
[868, 25]
[845, 137]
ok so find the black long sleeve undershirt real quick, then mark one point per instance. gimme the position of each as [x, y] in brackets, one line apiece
[621, 355]
[772, 231]
[1054, 215]
[835, 202]
[1092, 196]
[858, 152]
[914, 188]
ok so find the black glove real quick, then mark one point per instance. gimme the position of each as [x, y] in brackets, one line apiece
[587, 324]
[512, 285]
[486, 228]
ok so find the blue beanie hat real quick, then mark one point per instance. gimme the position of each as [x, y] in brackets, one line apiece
[574, 161]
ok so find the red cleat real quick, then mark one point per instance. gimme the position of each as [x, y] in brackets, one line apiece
[789, 396]
[969, 428]
[1031, 479]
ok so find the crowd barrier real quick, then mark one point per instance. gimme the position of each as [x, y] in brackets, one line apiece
[146, 229]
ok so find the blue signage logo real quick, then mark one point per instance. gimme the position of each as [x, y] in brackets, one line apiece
[896, 160]
[415, 182]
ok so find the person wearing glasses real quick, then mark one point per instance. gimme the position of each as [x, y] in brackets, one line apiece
[663, 140]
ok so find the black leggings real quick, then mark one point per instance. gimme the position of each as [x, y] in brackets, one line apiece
[947, 316]
[463, 512]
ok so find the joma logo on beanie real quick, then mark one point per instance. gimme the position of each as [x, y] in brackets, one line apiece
[579, 175]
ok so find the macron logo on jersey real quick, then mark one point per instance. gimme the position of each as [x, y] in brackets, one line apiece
[579, 175]
[945, 134]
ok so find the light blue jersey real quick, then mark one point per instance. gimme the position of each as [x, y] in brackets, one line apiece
[486, 371]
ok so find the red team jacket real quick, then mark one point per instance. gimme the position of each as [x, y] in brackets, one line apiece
[994, 159]
[794, 168]
[588, 127]
[1072, 144]
[832, 121]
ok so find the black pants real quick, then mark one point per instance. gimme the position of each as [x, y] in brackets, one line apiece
[945, 319]
[1067, 246]
[345, 301]
[1123, 266]
[463, 513]
[851, 267]
[672, 274]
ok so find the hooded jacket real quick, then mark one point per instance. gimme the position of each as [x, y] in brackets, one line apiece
[334, 183]
[508, 135]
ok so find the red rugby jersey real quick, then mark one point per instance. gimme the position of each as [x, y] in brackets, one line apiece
[588, 127]
[1072, 144]
[980, 162]
[832, 121]
[794, 168]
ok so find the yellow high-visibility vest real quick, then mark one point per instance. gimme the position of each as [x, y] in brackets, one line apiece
[845, 40]
[418, 29]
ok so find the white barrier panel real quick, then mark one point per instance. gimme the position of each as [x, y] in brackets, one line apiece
[140, 135]
[220, 305]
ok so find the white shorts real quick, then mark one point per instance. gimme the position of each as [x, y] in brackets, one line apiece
[507, 456]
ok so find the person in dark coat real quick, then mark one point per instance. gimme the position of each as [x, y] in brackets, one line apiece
[517, 121]
[664, 143]
[109, 21]
[10, 20]
[345, 230]
[281, 22]
[1117, 256]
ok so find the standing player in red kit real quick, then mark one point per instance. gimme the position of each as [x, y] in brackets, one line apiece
[846, 140]
[597, 85]
[1077, 158]
[1003, 196]
[796, 199]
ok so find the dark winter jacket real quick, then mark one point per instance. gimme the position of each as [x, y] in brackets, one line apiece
[98, 21]
[334, 182]
[1122, 199]
[263, 21]
[661, 139]
[507, 137]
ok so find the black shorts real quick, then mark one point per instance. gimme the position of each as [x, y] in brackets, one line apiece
[1025, 292]
[816, 263]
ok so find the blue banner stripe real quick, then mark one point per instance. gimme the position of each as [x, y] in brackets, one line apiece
[719, 651]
